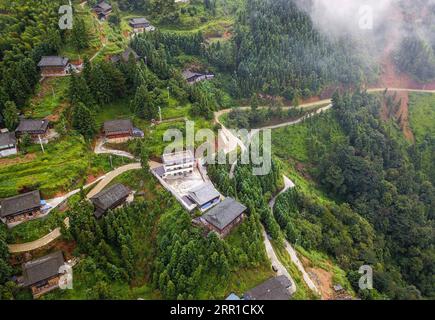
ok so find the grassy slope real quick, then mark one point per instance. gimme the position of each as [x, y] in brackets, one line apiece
[422, 115]
[49, 97]
[422, 122]
[65, 164]
[291, 142]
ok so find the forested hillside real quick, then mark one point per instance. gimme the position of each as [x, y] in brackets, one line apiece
[416, 53]
[28, 30]
[375, 171]
[278, 51]
[364, 194]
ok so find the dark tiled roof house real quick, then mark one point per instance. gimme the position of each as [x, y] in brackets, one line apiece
[109, 198]
[118, 130]
[276, 288]
[139, 23]
[42, 275]
[205, 196]
[22, 204]
[192, 77]
[125, 56]
[224, 216]
[32, 127]
[53, 65]
[102, 9]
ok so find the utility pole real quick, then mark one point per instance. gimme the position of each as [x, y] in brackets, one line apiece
[160, 114]
[169, 96]
[40, 142]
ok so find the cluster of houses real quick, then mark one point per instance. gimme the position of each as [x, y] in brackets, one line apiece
[139, 25]
[219, 214]
[177, 174]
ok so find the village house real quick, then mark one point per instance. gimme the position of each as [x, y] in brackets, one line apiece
[204, 196]
[37, 129]
[140, 25]
[125, 56]
[193, 77]
[102, 9]
[8, 144]
[43, 275]
[223, 217]
[276, 288]
[53, 66]
[178, 164]
[20, 208]
[109, 198]
[118, 131]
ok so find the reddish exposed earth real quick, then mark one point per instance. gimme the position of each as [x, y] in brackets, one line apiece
[400, 114]
[391, 77]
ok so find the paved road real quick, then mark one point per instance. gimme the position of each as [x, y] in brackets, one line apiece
[57, 201]
[28, 246]
[232, 141]
[111, 175]
[101, 149]
[288, 184]
[276, 263]
[295, 259]
[56, 233]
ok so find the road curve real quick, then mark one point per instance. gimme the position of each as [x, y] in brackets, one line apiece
[56, 233]
[233, 141]
[29, 246]
[111, 175]
[219, 113]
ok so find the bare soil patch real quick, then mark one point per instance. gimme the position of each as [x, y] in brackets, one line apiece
[399, 112]
[11, 161]
[323, 280]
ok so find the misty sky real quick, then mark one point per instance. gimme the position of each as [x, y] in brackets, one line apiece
[344, 16]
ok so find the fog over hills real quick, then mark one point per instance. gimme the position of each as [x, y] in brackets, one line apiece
[399, 29]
